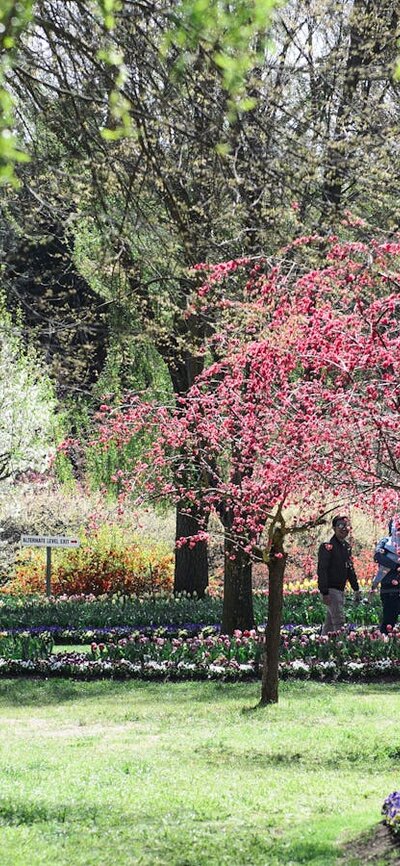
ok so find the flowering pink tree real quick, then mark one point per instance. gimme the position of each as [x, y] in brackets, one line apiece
[287, 417]
[322, 398]
[357, 347]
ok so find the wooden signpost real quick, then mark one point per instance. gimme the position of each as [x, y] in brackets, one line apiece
[48, 541]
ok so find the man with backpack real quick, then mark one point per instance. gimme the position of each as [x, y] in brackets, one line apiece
[387, 555]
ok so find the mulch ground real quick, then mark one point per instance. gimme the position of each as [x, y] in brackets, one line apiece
[379, 848]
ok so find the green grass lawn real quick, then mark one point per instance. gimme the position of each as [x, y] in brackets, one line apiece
[190, 774]
[71, 648]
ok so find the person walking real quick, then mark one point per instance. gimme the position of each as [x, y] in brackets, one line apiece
[335, 568]
[387, 555]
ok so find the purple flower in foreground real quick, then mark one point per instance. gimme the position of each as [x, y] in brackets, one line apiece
[391, 810]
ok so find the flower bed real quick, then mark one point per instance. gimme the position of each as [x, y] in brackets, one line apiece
[161, 609]
[305, 654]
[83, 611]
[351, 645]
[80, 666]
[74, 636]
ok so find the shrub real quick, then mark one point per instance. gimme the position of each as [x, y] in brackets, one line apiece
[103, 564]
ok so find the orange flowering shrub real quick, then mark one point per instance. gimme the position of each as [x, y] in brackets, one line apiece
[102, 564]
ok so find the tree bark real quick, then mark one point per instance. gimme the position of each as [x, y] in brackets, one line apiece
[191, 563]
[238, 597]
[270, 673]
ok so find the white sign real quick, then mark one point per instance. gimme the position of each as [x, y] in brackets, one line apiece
[49, 541]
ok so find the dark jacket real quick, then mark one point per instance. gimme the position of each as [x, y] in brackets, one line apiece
[390, 582]
[335, 566]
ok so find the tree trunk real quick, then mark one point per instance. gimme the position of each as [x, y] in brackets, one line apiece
[238, 597]
[270, 673]
[191, 563]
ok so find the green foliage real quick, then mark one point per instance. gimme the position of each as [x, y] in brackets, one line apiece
[104, 469]
[233, 35]
[107, 9]
[86, 459]
[63, 471]
[14, 18]
[25, 646]
[27, 405]
[133, 364]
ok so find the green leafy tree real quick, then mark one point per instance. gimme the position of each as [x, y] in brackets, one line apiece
[158, 194]
[27, 407]
[14, 17]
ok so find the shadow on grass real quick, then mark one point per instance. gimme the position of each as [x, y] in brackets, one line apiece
[25, 691]
[202, 691]
[384, 685]
[230, 757]
[309, 852]
[35, 692]
[175, 842]
[18, 812]
[376, 756]
[29, 691]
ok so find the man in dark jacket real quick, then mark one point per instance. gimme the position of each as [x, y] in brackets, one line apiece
[335, 568]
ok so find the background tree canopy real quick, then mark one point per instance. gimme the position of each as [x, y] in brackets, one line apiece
[161, 136]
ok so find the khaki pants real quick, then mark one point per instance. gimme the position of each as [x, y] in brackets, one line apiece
[334, 619]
